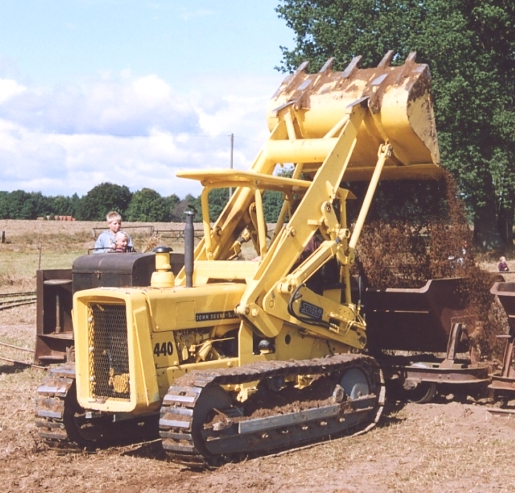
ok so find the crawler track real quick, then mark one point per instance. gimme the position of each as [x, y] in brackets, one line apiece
[63, 424]
[51, 410]
[191, 436]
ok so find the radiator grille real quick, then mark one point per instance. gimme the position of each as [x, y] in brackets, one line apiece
[108, 351]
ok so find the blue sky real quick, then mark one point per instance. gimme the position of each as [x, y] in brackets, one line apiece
[128, 91]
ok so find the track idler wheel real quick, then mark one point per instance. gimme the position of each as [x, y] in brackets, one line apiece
[213, 401]
[355, 383]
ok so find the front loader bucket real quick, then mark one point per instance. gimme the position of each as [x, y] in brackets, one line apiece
[401, 113]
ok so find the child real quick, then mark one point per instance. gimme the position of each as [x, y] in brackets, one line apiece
[105, 241]
[121, 242]
[502, 265]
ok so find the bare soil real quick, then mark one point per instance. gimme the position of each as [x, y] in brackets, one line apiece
[443, 446]
[459, 447]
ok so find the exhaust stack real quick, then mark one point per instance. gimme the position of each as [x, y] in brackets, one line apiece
[189, 247]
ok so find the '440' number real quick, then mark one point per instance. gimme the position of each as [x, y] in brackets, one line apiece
[163, 349]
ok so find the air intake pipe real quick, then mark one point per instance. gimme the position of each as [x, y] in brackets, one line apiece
[163, 276]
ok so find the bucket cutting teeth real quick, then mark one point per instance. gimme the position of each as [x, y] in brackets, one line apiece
[401, 114]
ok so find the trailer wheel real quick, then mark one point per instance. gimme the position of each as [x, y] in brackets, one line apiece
[424, 392]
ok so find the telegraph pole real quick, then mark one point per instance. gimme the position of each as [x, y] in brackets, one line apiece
[232, 157]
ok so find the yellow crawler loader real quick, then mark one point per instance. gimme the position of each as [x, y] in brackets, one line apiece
[237, 356]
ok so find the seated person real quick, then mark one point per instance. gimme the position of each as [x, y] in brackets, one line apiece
[105, 241]
[121, 243]
[503, 265]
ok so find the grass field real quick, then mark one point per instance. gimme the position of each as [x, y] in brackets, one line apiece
[33, 245]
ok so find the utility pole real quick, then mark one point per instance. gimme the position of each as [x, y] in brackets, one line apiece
[232, 156]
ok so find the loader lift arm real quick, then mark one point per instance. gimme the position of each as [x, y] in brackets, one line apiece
[314, 212]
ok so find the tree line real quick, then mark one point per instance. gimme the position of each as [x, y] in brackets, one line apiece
[145, 205]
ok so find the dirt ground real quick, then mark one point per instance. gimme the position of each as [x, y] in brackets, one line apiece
[458, 447]
[443, 446]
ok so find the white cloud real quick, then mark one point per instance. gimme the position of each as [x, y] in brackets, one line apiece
[9, 88]
[122, 106]
[135, 131]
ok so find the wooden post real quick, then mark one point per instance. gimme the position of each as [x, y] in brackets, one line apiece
[3, 236]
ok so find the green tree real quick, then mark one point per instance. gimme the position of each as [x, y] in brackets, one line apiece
[4, 205]
[218, 198]
[74, 204]
[20, 205]
[62, 206]
[170, 204]
[272, 200]
[146, 205]
[185, 204]
[470, 48]
[24, 205]
[37, 205]
[272, 204]
[101, 199]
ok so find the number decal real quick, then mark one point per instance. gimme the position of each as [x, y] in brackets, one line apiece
[163, 349]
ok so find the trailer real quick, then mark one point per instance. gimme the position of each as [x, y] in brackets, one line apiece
[421, 338]
[55, 289]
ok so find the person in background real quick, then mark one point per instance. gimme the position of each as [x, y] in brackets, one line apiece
[121, 242]
[462, 255]
[105, 241]
[502, 265]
